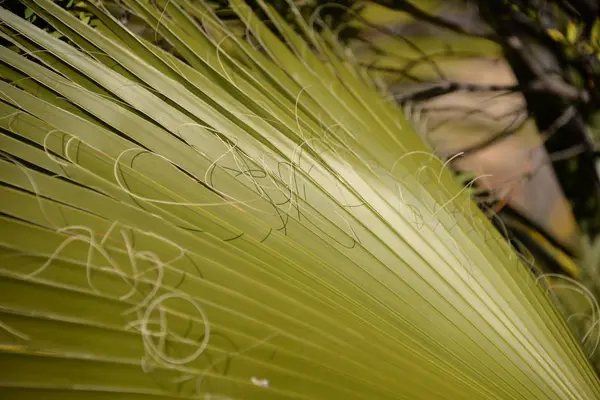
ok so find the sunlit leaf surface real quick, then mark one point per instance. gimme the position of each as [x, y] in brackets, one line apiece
[248, 220]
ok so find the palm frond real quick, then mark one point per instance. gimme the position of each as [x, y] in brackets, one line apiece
[245, 219]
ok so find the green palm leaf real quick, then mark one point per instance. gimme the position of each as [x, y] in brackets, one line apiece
[247, 219]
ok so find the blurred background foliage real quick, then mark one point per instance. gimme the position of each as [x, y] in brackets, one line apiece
[506, 91]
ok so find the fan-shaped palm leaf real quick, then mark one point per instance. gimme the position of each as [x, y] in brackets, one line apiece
[249, 219]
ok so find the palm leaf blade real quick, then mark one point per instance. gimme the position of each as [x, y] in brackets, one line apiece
[202, 231]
